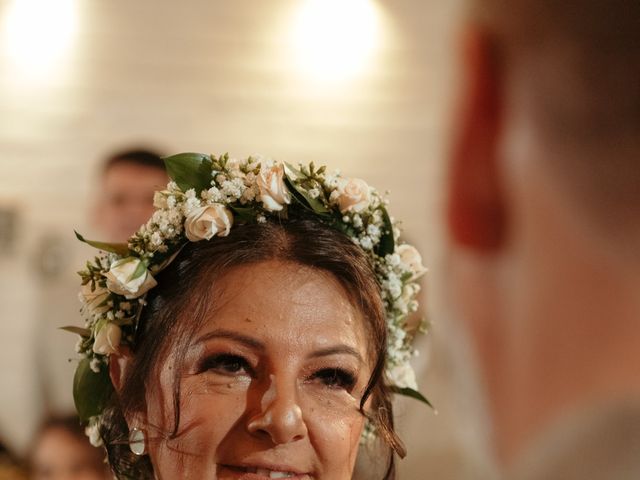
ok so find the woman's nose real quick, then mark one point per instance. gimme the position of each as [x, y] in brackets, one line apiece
[278, 415]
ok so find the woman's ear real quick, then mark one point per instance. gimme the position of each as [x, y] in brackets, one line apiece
[475, 202]
[118, 364]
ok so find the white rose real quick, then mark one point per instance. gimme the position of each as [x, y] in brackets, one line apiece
[354, 195]
[403, 376]
[273, 192]
[107, 339]
[96, 300]
[412, 259]
[204, 223]
[128, 277]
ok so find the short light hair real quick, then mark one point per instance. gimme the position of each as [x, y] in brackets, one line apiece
[584, 66]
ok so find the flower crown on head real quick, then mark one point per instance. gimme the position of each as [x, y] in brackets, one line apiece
[205, 198]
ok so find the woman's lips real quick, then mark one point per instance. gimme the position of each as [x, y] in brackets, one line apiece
[251, 472]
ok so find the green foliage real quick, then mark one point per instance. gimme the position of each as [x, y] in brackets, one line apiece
[83, 332]
[190, 170]
[410, 392]
[118, 248]
[91, 390]
[387, 243]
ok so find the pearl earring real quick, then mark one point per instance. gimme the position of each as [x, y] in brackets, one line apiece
[137, 441]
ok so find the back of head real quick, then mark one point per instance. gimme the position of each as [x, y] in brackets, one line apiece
[134, 156]
[575, 67]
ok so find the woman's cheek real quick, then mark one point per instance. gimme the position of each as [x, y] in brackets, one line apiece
[334, 423]
[208, 412]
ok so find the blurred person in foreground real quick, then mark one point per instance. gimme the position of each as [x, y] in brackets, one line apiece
[61, 451]
[10, 468]
[128, 180]
[543, 221]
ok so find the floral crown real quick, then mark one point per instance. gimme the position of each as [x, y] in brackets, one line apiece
[206, 197]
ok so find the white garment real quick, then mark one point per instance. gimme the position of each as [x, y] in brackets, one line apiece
[598, 444]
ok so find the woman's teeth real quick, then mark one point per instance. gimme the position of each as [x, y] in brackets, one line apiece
[271, 473]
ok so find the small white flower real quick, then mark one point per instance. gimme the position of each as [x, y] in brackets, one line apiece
[357, 221]
[127, 277]
[411, 258]
[107, 339]
[159, 200]
[354, 195]
[273, 192]
[261, 219]
[366, 243]
[94, 365]
[206, 222]
[92, 430]
[373, 230]
[403, 376]
[314, 193]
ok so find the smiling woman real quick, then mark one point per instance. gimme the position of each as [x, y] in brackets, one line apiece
[260, 353]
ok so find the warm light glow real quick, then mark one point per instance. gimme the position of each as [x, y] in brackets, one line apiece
[37, 35]
[335, 39]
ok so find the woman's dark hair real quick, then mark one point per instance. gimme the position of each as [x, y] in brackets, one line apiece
[304, 241]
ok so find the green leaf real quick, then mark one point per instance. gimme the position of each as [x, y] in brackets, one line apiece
[91, 391]
[140, 270]
[247, 214]
[119, 248]
[83, 332]
[410, 392]
[387, 243]
[190, 170]
[303, 197]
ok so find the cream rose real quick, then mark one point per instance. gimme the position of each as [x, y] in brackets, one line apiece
[273, 192]
[403, 376]
[204, 223]
[96, 300]
[412, 259]
[128, 277]
[354, 195]
[107, 339]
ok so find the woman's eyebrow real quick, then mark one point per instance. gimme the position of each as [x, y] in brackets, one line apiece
[231, 335]
[337, 350]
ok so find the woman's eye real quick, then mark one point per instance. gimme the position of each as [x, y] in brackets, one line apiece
[226, 364]
[335, 378]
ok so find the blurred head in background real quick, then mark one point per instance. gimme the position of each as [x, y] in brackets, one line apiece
[543, 211]
[127, 183]
[61, 451]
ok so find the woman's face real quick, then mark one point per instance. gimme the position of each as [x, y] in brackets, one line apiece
[270, 387]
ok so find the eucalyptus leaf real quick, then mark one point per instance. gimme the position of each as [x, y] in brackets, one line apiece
[247, 214]
[119, 248]
[387, 243]
[91, 391]
[304, 198]
[140, 270]
[83, 332]
[410, 392]
[190, 170]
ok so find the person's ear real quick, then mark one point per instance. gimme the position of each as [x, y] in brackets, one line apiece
[475, 204]
[118, 364]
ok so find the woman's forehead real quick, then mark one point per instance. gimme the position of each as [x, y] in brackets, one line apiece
[285, 301]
